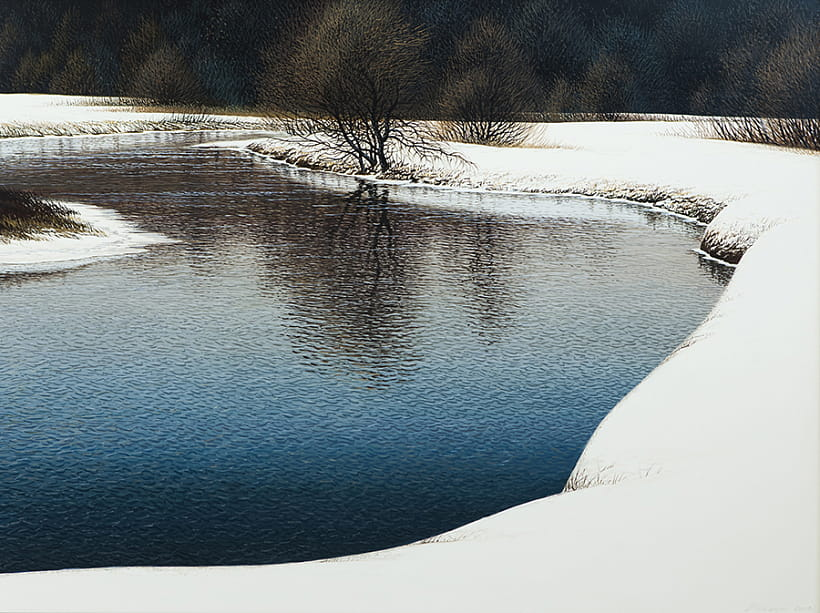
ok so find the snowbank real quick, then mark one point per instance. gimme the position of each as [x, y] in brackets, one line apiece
[24, 115]
[699, 491]
[117, 237]
[27, 115]
[650, 162]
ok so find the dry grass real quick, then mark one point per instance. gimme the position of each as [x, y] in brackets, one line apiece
[143, 106]
[188, 122]
[796, 133]
[592, 117]
[146, 105]
[24, 215]
[489, 132]
[581, 479]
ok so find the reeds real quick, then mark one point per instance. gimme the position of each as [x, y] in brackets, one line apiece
[176, 122]
[24, 215]
[783, 132]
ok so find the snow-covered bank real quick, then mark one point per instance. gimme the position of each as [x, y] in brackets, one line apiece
[650, 162]
[719, 515]
[116, 237]
[708, 497]
[25, 115]
[30, 115]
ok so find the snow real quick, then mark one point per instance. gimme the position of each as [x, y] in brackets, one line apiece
[117, 237]
[698, 492]
[651, 162]
[24, 115]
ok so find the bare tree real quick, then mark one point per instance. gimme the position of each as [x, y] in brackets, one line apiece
[351, 83]
[789, 78]
[607, 87]
[76, 77]
[166, 77]
[487, 87]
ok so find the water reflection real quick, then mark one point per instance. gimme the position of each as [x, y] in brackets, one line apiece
[343, 275]
[310, 372]
[718, 271]
[16, 279]
[354, 273]
[487, 280]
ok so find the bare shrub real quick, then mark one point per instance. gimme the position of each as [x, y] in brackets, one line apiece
[789, 79]
[77, 75]
[488, 85]
[138, 45]
[783, 132]
[562, 98]
[351, 83]
[607, 87]
[32, 74]
[166, 77]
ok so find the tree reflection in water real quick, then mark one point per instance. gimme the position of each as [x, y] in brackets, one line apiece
[308, 374]
[358, 272]
[345, 287]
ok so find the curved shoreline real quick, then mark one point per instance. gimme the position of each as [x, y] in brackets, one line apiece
[690, 206]
[116, 238]
[680, 523]
[647, 163]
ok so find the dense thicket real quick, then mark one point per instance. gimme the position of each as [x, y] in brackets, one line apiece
[663, 56]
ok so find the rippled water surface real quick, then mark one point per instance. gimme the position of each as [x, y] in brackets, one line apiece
[316, 366]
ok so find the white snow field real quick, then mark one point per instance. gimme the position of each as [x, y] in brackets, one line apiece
[697, 493]
[24, 115]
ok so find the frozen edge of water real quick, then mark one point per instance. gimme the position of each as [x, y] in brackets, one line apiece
[681, 461]
[118, 238]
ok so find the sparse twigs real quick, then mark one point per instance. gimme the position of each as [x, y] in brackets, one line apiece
[488, 85]
[154, 67]
[24, 215]
[781, 87]
[784, 132]
[172, 122]
[351, 83]
[354, 146]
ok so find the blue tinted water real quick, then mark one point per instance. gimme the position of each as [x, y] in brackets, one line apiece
[311, 369]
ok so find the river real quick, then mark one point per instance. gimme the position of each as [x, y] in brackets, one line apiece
[315, 366]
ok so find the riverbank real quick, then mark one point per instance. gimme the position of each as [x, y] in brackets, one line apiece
[37, 115]
[697, 493]
[113, 237]
[656, 163]
[41, 115]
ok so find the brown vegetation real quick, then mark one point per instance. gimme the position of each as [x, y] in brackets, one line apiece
[351, 83]
[488, 85]
[783, 132]
[353, 72]
[24, 215]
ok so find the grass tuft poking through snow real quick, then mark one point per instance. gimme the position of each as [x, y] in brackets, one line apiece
[24, 215]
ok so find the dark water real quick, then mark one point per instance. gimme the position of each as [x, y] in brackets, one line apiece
[312, 369]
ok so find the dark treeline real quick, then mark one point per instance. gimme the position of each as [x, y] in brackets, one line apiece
[725, 57]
